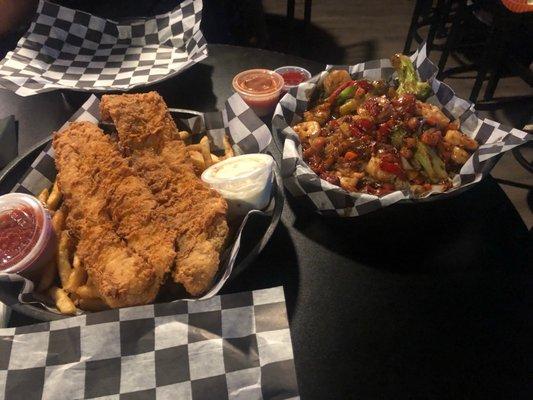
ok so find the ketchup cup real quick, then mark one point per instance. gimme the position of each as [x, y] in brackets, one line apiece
[27, 240]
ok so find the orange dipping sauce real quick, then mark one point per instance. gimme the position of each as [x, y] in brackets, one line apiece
[259, 88]
[257, 82]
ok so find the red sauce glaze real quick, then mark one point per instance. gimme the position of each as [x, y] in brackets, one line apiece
[293, 77]
[17, 235]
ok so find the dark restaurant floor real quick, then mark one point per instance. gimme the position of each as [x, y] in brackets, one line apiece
[357, 30]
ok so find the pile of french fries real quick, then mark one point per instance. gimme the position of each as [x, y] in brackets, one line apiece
[65, 278]
[200, 153]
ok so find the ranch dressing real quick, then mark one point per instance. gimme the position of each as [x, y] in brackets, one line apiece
[244, 181]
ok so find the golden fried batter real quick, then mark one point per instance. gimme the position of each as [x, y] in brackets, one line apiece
[196, 213]
[123, 238]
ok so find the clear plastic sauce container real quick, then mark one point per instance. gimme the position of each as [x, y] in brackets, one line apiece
[27, 240]
[244, 181]
[293, 76]
[259, 88]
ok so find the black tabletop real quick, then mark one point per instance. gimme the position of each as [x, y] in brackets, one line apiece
[424, 301]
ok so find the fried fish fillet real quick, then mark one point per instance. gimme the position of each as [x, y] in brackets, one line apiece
[124, 241]
[197, 214]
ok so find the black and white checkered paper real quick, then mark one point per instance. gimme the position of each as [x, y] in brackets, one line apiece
[235, 347]
[331, 200]
[71, 49]
[248, 134]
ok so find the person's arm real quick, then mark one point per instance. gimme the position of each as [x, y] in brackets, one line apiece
[14, 13]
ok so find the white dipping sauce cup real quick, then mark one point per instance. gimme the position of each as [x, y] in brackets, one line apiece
[244, 181]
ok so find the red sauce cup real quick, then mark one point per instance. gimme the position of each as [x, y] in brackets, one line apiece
[293, 76]
[259, 88]
[27, 240]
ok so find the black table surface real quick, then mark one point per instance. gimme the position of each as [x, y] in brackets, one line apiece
[426, 301]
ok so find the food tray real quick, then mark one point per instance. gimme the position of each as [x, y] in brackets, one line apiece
[331, 200]
[258, 227]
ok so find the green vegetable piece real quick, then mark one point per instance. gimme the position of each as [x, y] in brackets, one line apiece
[408, 78]
[345, 94]
[438, 164]
[422, 156]
[397, 135]
[349, 107]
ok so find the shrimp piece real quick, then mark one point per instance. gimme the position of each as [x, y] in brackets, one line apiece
[306, 130]
[459, 139]
[334, 79]
[433, 115]
[319, 114]
[349, 183]
[373, 169]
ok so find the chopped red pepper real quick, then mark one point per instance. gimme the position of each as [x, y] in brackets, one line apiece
[333, 96]
[383, 131]
[350, 156]
[364, 124]
[359, 92]
[355, 131]
[364, 84]
[333, 123]
[395, 169]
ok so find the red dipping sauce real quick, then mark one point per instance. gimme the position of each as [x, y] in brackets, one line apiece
[19, 229]
[27, 240]
[293, 78]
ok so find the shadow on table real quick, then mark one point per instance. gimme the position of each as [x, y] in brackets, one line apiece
[192, 89]
[474, 231]
[277, 265]
[317, 45]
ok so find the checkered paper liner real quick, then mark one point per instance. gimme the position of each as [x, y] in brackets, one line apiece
[234, 346]
[247, 134]
[72, 49]
[331, 200]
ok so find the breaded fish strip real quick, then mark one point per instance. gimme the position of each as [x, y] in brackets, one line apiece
[148, 133]
[123, 240]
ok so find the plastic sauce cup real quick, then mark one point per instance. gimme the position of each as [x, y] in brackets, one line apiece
[27, 240]
[244, 181]
[293, 76]
[259, 88]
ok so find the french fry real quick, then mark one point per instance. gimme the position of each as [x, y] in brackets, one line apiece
[63, 262]
[184, 135]
[87, 291]
[214, 158]
[58, 220]
[197, 160]
[54, 198]
[228, 150]
[48, 276]
[77, 277]
[206, 151]
[92, 304]
[63, 303]
[43, 195]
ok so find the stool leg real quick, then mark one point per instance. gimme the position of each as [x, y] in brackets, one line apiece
[290, 21]
[453, 36]
[412, 27]
[307, 16]
[504, 35]
[489, 61]
[290, 9]
[434, 25]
